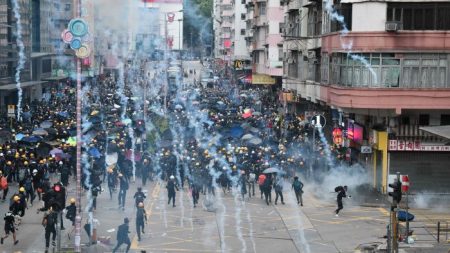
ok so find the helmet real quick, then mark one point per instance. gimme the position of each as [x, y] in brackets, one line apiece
[35, 171]
[141, 204]
[25, 163]
[172, 177]
[72, 201]
[21, 189]
[16, 198]
[8, 163]
[120, 175]
[60, 162]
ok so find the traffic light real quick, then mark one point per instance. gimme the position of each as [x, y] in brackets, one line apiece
[57, 198]
[397, 191]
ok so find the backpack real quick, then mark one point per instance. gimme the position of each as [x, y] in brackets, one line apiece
[338, 189]
[3, 183]
[28, 185]
[51, 220]
[297, 185]
[261, 180]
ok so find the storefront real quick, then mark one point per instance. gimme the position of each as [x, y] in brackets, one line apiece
[426, 164]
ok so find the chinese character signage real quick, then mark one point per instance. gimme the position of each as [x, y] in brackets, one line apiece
[401, 145]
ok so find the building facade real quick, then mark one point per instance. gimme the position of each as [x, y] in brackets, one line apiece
[382, 70]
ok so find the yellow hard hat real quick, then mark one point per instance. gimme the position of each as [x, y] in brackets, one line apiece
[16, 198]
[25, 163]
[72, 201]
[21, 189]
[8, 163]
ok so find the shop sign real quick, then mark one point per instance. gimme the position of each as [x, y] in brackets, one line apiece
[366, 149]
[11, 111]
[401, 145]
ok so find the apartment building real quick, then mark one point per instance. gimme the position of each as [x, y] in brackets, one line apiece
[230, 32]
[266, 42]
[382, 71]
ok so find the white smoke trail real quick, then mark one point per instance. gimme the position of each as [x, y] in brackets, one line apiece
[21, 63]
[133, 146]
[334, 15]
[237, 217]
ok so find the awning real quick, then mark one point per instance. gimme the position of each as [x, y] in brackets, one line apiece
[13, 86]
[263, 79]
[443, 131]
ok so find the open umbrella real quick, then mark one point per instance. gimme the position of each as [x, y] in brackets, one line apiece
[72, 141]
[19, 136]
[56, 151]
[271, 170]
[46, 124]
[236, 131]
[32, 139]
[255, 141]
[40, 132]
[247, 137]
[254, 130]
[63, 114]
[257, 114]
[94, 152]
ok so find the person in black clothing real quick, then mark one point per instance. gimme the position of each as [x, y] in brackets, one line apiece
[342, 193]
[122, 235]
[141, 217]
[171, 186]
[279, 190]
[49, 222]
[71, 214]
[195, 191]
[267, 188]
[9, 227]
[297, 185]
[123, 184]
[139, 196]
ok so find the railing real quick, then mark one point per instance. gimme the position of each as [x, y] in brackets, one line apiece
[412, 132]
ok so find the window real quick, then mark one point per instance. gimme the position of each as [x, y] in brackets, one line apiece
[242, 1]
[420, 16]
[281, 27]
[262, 8]
[57, 6]
[292, 60]
[390, 70]
[67, 7]
[445, 119]
[424, 119]
[293, 24]
[242, 31]
[345, 11]
[280, 53]
[243, 16]
[405, 120]
[314, 21]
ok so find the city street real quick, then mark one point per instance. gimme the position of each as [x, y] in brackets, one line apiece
[274, 228]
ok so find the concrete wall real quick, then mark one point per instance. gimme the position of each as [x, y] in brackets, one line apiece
[369, 16]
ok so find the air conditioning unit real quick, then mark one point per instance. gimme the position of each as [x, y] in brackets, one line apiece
[392, 26]
[311, 54]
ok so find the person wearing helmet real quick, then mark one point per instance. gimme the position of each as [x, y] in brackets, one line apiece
[123, 187]
[122, 235]
[9, 227]
[112, 181]
[50, 221]
[29, 192]
[4, 185]
[171, 186]
[71, 213]
[139, 196]
[141, 217]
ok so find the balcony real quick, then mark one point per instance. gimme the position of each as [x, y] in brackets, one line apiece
[385, 98]
[227, 13]
[227, 24]
[388, 42]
